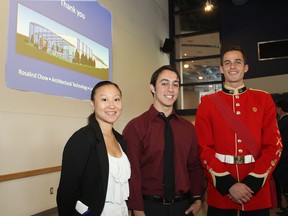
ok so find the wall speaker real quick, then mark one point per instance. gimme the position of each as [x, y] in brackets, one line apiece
[270, 50]
[168, 46]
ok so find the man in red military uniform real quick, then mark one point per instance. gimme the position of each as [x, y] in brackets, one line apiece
[238, 179]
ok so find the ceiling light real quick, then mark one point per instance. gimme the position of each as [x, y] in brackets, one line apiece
[208, 6]
[200, 77]
[186, 66]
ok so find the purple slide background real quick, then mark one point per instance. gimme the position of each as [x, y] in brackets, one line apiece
[96, 27]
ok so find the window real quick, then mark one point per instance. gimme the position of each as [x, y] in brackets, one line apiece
[197, 51]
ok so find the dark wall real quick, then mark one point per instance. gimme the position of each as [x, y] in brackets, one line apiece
[252, 22]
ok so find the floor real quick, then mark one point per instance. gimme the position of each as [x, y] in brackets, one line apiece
[49, 212]
[53, 212]
[273, 212]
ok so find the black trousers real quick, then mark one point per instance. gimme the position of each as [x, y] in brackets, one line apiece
[212, 211]
[158, 209]
[280, 175]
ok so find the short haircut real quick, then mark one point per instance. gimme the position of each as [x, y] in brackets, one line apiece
[156, 74]
[283, 104]
[233, 48]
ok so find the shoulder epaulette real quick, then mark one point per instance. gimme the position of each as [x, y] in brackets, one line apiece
[259, 90]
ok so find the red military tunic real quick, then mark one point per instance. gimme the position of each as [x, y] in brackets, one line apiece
[216, 138]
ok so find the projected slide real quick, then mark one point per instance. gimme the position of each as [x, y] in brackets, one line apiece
[58, 47]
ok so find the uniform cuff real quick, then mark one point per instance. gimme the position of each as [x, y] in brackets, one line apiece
[254, 183]
[224, 183]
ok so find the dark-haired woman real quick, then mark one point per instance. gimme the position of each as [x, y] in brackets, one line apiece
[95, 169]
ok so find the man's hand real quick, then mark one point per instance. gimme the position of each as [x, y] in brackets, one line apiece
[194, 208]
[138, 213]
[240, 193]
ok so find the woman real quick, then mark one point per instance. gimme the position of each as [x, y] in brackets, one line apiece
[95, 170]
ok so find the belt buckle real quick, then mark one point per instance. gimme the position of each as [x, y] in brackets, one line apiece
[165, 202]
[239, 160]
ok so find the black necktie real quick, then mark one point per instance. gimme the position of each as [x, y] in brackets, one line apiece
[168, 173]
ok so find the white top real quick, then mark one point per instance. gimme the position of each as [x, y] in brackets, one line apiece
[119, 173]
[118, 188]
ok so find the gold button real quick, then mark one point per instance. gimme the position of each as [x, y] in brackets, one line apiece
[237, 104]
[238, 112]
[240, 150]
[239, 140]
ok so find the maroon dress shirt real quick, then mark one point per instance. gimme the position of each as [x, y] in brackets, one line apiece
[145, 147]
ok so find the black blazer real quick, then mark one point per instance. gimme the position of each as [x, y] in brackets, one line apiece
[85, 170]
[283, 127]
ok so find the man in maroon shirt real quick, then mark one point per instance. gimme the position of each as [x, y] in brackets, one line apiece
[145, 149]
